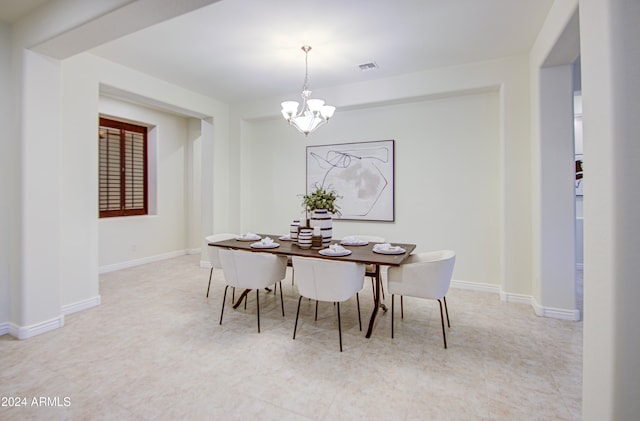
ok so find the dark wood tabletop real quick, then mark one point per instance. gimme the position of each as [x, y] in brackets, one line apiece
[360, 254]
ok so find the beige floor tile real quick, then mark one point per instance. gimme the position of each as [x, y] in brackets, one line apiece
[154, 350]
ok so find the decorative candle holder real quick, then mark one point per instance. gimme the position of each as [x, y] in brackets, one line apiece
[293, 230]
[304, 238]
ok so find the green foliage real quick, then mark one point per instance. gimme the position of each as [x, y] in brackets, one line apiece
[321, 198]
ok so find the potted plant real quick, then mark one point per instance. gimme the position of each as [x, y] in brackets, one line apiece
[322, 205]
[321, 198]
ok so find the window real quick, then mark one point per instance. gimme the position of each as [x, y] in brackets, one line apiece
[123, 169]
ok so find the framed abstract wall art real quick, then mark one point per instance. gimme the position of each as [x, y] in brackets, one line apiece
[361, 173]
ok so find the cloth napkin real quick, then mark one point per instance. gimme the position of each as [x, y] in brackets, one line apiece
[337, 249]
[250, 235]
[386, 247]
[266, 241]
[352, 239]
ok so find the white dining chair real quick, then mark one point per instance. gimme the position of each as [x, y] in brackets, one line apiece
[424, 275]
[329, 281]
[252, 270]
[370, 270]
[213, 253]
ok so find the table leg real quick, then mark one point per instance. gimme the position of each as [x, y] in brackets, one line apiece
[242, 296]
[376, 296]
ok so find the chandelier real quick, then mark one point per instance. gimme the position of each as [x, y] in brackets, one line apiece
[313, 113]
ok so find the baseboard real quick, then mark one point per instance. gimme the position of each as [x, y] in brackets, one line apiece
[510, 297]
[143, 261]
[552, 313]
[80, 305]
[194, 251]
[474, 286]
[25, 332]
[555, 313]
[205, 264]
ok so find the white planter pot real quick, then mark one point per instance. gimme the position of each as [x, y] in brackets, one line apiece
[323, 219]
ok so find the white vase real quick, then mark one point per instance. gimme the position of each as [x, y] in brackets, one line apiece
[322, 218]
[304, 238]
[293, 230]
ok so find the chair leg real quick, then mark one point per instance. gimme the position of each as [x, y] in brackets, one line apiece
[224, 297]
[293, 275]
[446, 310]
[382, 287]
[295, 327]
[401, 307]
[392, 300]
[339, 328]
[281, 300]
[258, 305]
[444, 335]
[316, 310]
[373, 288]
[359, 319]
[209, 286]
[233, 294]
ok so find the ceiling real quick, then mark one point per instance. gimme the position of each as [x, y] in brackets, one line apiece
[239, 50]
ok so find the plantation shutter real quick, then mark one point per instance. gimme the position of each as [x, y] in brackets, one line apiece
[122, 169]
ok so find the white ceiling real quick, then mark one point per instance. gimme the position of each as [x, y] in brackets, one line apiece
[237, 50]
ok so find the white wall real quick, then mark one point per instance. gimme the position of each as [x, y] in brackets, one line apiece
[557, 196]
[483, 106]
[79, 178]
[552, 189]
[609, 32]
[40, 191]
[123, 239]
[5, 138]
[447, 176]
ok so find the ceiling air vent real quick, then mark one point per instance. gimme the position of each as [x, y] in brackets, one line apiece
[368, 66]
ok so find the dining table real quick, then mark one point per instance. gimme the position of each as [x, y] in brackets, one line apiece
[359, 254]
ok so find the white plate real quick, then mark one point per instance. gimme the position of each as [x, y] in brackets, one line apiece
[264, 246]
[253, 238]
[354, 243]
[285, 238]
[381, 251]
[328, 252]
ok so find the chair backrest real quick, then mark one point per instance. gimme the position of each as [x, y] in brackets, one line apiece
[213, 251]
[425, 275]
[252, 270]
[327, 280]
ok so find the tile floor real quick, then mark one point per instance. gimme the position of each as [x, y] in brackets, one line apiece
[153, 350]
